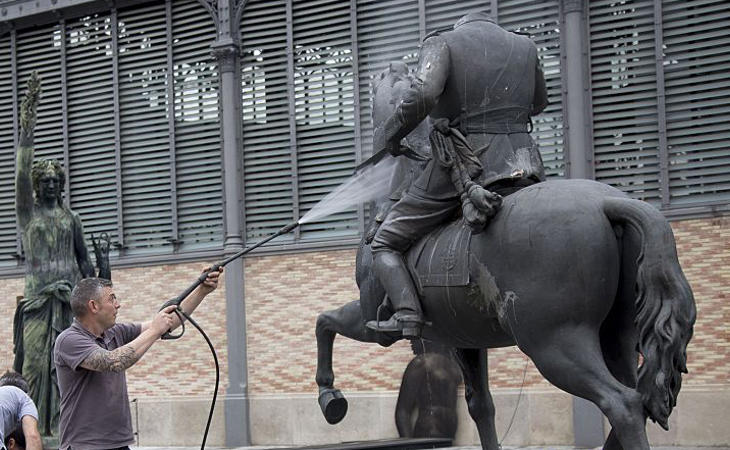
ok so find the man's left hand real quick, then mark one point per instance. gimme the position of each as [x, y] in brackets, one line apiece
[211, 281]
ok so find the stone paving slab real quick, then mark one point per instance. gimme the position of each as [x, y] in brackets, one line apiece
[445, 448]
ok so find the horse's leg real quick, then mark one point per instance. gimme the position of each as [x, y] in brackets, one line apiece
[619, 352]
[476, 387]
[570, 357]
[347, 321]
[618, 332]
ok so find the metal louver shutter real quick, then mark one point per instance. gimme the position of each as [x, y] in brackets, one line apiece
[444, 13]
[197, 128]
[90, 106]
[323, 84]
[623, 72]
[697, 83]
[145, 148]
[7, 158]
[266, 148]
[387, 30]
[541, 21]
[39, 49]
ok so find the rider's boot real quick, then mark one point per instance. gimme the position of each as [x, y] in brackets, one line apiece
[391, 269]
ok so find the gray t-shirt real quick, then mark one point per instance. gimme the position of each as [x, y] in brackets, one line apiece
[94, 405]
[14, 404]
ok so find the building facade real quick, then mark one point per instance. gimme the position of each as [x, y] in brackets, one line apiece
[189, 128]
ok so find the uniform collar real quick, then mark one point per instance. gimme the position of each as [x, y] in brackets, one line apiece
[473, 17]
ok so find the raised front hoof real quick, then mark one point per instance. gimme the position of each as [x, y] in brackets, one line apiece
[333, 405]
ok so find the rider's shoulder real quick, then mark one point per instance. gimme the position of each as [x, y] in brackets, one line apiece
[434, 40]
[437, 32]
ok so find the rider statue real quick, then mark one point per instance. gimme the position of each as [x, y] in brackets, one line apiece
[56, 258]
[480, 85]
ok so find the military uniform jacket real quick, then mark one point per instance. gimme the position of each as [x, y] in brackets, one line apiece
[487, 82]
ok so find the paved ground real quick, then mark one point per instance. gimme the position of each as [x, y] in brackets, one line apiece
[447, 448]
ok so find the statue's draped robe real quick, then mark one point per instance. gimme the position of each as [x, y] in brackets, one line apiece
[51, 272]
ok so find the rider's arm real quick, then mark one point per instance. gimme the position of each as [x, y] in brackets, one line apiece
[422, 96]
[540, 98]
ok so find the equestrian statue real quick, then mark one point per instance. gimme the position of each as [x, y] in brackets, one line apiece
[480, 252]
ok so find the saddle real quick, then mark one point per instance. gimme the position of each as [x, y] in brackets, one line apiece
[442, 259]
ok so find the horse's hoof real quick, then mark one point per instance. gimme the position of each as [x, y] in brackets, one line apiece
[333, 405]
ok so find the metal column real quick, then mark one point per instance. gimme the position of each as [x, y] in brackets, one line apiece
[587, 418]
[227, 51]
[576, 110]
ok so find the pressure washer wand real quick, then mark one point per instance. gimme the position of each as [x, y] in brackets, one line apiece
[214, 268]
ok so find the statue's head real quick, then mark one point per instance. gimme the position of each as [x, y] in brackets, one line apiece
[48, 179]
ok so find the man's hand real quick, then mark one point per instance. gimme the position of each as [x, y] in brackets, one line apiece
[164, 320]
[211, 282]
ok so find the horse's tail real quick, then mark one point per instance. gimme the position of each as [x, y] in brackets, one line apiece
[665, 307]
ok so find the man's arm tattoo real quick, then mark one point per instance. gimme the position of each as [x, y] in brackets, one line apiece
[116, 360]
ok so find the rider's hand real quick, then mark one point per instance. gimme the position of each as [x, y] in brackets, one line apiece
[211, 282]
[380, 143]
[163, 321]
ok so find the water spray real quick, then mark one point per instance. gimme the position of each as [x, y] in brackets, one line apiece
[370, 181]
[215, 268]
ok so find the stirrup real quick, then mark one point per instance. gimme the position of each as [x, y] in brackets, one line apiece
[409, 325]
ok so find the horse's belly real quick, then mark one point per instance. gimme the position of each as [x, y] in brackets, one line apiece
[461, 317]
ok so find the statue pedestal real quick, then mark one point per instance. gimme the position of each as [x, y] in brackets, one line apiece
[385, 444]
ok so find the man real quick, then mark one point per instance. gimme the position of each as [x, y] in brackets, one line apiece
[92, 355]
[480, 84]
[18, 414]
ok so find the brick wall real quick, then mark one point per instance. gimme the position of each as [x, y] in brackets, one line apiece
[284, 294]
[169, 368]
[292, 289]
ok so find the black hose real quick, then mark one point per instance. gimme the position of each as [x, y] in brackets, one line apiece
[179, 311]
[217, 371]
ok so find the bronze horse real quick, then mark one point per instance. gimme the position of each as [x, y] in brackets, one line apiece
[580, 277]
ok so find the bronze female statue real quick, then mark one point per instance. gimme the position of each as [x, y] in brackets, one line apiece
[56, 257]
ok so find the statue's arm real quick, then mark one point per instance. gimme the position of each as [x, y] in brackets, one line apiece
[425, 91]
[82, 253]
[23, 183]
[540, 98]
[24, 155]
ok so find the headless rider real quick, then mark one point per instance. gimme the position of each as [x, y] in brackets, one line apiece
[480, 84]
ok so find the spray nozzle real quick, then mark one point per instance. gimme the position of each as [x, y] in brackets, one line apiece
[288, 228]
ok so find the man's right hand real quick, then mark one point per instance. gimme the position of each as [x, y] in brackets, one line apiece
[164, 320]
